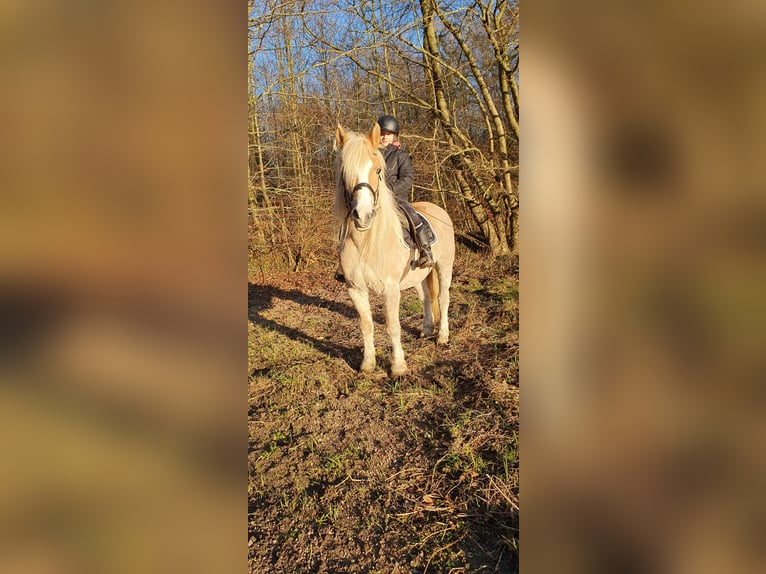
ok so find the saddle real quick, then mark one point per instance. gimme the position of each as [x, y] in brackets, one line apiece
[408, 229]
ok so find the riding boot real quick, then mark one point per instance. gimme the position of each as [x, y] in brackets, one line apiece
[426, 257]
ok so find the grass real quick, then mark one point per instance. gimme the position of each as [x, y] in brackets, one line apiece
[421, 471]
[410, 305]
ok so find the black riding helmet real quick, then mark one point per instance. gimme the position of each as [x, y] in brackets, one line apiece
[388, 124]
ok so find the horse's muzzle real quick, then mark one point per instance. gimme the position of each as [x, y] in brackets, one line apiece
[363, 223]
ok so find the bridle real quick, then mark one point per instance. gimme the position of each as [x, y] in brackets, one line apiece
[349, 196]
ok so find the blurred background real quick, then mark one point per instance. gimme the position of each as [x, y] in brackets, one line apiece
[642, 272]
[123, 233]
[122, 287]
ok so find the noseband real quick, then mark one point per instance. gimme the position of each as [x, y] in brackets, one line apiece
[375, 193]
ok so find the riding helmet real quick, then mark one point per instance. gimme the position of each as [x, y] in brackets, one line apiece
[388, 124]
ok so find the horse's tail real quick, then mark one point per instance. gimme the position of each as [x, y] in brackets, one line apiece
[432, 281]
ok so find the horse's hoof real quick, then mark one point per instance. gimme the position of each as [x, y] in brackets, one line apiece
[442, 340]
[367, 368]
[398, 370]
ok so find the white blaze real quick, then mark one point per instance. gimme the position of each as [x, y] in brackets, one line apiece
[365, 202]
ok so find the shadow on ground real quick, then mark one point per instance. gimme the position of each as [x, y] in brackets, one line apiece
[261, 297]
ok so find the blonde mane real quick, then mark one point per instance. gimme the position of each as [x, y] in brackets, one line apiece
[355, 152]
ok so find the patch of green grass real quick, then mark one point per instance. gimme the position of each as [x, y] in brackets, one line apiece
[291, 534]
[452, 462]
[329, 516]
[333, 462]
[410, 306]
[509, 463]
[474, 285]
[476, 462]
[267, 451]
[337, 465]
[288, 503]
[256, 488]
[278, 437]
[312, 443]
[269, 348]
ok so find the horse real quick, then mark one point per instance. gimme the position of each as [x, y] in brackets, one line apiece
[373, 254]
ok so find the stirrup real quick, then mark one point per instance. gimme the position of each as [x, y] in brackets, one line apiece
[425, 261]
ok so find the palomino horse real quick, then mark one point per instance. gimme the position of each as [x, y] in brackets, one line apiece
[373, 255]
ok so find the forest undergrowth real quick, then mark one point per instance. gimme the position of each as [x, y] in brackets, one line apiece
[362, 473]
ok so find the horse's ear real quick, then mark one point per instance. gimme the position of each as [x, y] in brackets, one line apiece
[375, 135]
[340, 136]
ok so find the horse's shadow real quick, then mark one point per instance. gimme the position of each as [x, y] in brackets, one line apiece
[260, 298]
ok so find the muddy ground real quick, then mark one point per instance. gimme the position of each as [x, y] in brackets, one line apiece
[364, 474]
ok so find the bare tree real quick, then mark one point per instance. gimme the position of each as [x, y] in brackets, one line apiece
[446, 68]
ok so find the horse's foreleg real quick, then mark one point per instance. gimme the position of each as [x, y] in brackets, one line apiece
[362, 303]
[398, 364]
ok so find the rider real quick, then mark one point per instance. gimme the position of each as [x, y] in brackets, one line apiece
[399, 177]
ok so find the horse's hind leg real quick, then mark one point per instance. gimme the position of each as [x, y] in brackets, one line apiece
[445, 280]
[362, 303]
[424, 294]
[392, 295]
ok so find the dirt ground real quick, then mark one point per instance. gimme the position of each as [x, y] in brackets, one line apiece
[365, 474]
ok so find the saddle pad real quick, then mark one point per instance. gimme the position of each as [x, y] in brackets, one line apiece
[407, 239]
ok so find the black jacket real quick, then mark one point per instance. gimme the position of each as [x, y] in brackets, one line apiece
[400, 174]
